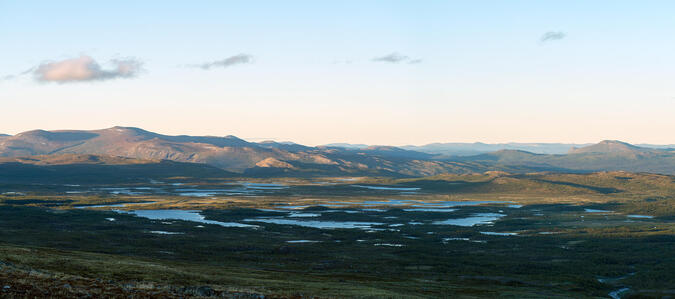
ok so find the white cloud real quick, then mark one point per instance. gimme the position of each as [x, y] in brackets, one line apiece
[85, 68]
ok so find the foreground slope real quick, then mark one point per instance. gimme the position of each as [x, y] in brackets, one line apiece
[550, 236]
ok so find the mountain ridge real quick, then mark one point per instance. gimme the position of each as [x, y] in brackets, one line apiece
[229, 153]
[603, 156]
[233, 154]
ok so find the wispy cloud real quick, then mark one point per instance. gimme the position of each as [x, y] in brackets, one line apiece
[85, 68]
[7, 77]
[14, 76]
[391, 58]
[227, 62]
[397, 58]
[552, 36]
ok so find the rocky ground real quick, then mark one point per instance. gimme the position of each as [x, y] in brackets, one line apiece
[20, 282]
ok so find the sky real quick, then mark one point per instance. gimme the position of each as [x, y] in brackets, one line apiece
[317, 72]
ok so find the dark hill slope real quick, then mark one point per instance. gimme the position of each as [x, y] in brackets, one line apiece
[92, 169]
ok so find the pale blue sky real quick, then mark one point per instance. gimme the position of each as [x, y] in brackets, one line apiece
[484, 74]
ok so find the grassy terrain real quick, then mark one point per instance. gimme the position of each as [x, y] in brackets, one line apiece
[560, 250]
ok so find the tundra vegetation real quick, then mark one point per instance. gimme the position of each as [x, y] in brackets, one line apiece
[466, 235]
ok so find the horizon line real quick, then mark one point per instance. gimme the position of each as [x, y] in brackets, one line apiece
[285, 140]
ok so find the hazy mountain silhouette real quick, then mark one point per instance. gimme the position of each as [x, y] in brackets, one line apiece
[611, 147]
[476, 148]
[603, 156]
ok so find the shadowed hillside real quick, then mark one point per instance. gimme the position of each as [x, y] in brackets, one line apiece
[92, 169]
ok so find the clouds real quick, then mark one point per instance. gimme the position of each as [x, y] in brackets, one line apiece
[85, 68]
[396, 58]
[7, 77]
[227, 62]
[14, 76]
[391, 58]
[552, 36]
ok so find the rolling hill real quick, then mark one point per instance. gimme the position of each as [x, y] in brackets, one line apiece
[611, 147]
[607, 155]
[477, 148]
[270, 158]
[229, 153]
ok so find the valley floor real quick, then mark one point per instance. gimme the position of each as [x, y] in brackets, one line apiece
[581, 236]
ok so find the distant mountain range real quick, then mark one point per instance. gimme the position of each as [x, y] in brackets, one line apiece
[609, 155]
[476, 148]
[470, 149]
[233, 155]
